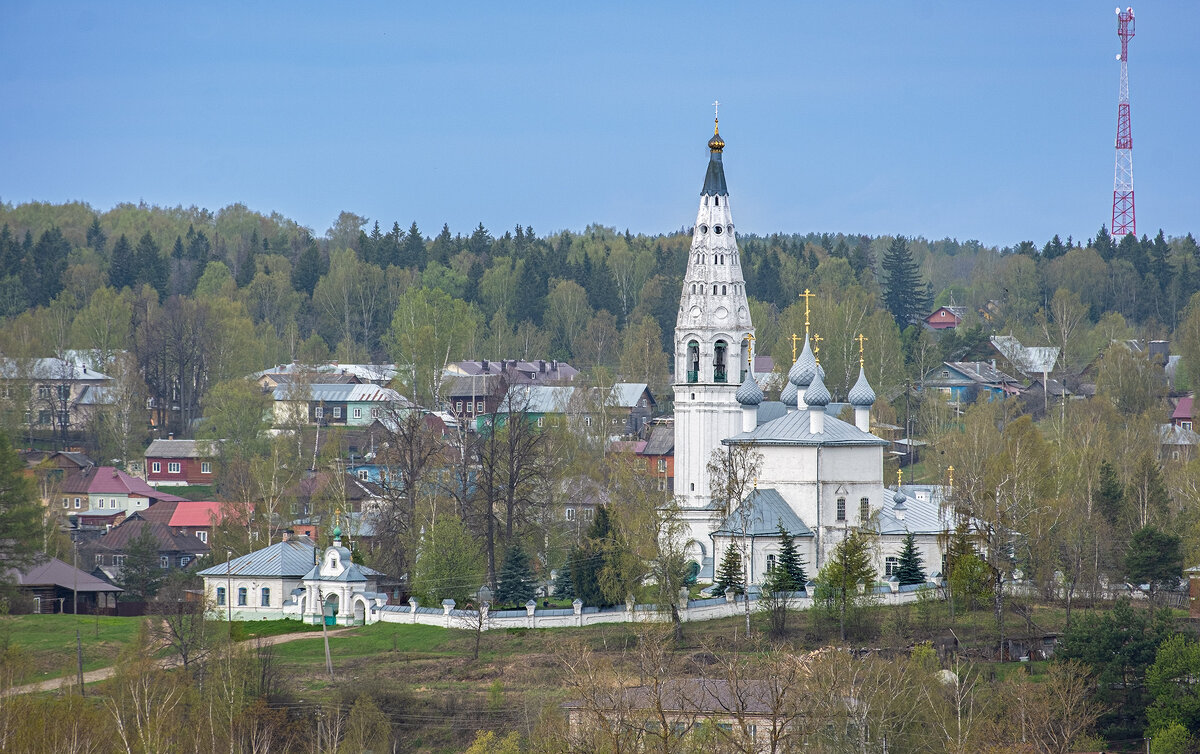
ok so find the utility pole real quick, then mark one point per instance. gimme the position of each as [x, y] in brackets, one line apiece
[75, 608]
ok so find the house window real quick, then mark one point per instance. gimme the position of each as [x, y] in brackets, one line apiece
[358, 413]
[319, 412]
[945, 372]
[202, 536]
[156, 467]
[479, 406]
[99, 560]
[184, 560]
[266, 597]
[241, 596]
[570, 514]
[662, 465]
[1185, 425]
[163, 561]
[206, 467]
[43, 392]
[374, 413]
[770, 563]
[890, 565]
[587, 514]
[841, 509]
[458, 407]
[173, 467]
[587, 421]
[541, 421]
[118, 560]
[864, 509]
[337, 412]
[66, 502]
[43, 417]
[100, 503]
[77, 503]
[220, 595]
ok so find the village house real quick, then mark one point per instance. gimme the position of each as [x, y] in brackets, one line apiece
[351, 405]
[107, 550]
[103, 495]
[174, 462]
[945, 317]
[51, 397]
[475, 388]
[58, 587]
[968, 381]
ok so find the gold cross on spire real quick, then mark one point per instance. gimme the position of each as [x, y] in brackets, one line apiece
[750, 352]
[795, 338]
[950, 471]
[716, 115]
[806, 296]
[817, 347]
[861, 339]
[899, 477]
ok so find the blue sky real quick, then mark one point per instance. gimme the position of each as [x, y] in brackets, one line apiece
[970, 120]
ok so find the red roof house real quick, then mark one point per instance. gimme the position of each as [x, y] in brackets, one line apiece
[196, 517]
[1182, 417]
[945, 317]
[180, 462]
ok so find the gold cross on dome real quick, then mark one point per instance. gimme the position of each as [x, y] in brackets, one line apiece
[861, 339]
[950, 471]
[899, 477]
[817, 347]
[806, 296]
[795, 338]
[750, 352]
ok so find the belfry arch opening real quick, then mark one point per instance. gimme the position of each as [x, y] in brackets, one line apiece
[693, 361]
[720, 361]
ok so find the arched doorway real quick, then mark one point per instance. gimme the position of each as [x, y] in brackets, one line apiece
[360, 611]
[331, 609]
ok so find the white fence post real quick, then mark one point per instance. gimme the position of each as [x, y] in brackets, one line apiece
[530, 618]
[412, 605]
[577, 605]
[447, 606]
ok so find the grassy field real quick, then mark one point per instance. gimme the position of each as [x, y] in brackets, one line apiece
[47, 642]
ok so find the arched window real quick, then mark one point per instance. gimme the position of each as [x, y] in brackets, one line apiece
[693, 287]
[221, 596]
[722, 290]
[719, 361]
[693, 362]
[241, 596]
[714, 290]
[717, 200]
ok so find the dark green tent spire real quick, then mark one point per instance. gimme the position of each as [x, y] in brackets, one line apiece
[714, 180]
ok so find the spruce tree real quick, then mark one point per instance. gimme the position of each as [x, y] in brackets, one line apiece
[911, 567]
[729, 575]
[21, 530]
[905, 295]
[516, 582]
[1109, 497]
[788, 574]
[141, 574]
[150, 265]
[307, 271]
[122, 270]
[414, 248]
[588, 560]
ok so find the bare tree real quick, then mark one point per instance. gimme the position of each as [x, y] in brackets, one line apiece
[733, 473]
[181, 624]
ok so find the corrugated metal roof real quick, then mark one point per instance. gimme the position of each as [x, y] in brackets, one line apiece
[55, 572]
[292, 558]
[793, 429]
[343, 394]
[767, 510]
[627, 394]
[921, 516]
[181, 449]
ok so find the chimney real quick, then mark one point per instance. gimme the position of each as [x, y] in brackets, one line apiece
[170, 435]
[542, 366]
[484, 365]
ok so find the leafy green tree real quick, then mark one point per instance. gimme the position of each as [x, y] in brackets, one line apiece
[1171, 685]
[1154, 558]
[141, 574]
[428, 330]
[788, 574]
[905, 295]
[910, 569]
[516, 582]
[449, 563]
[844, 584]
[1174, 739]
[21, 527]
[729, 573]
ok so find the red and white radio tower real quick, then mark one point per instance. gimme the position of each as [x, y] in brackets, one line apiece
[1124, 220]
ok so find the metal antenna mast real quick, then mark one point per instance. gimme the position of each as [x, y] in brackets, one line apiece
[1124, 220]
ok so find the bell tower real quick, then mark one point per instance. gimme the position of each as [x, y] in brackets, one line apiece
[713, 336]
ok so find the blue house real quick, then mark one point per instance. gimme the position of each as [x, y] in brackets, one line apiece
[969, 381]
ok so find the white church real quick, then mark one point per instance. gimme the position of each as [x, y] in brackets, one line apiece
[820, 476]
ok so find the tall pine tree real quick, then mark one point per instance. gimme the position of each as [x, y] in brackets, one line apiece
[122, 269]
[905, 295]
[788, 574]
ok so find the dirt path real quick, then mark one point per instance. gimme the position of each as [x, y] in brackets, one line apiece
[102, 674]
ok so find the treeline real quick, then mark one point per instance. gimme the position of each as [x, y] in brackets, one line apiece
[576, 296]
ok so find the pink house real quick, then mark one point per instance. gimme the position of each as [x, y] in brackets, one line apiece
[196, 517]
